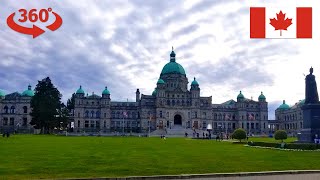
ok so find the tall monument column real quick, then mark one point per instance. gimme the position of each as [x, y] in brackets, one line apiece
[311, 111]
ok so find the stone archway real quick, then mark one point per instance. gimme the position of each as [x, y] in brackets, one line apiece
[177, 120]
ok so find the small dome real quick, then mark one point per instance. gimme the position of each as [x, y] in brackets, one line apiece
[172, 67]
[2, 94]
[154, 93]
[28, 92]
[106, 91]
[240, 96]
[160, 81]
[80, 90]
[284, 106]
[195, 82]
[262, 97]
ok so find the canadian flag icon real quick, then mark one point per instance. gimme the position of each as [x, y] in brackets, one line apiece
[281, 22]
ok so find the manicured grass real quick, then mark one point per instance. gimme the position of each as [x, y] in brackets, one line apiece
[36, 156]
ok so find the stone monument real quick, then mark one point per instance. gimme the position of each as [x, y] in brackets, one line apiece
[311, 111]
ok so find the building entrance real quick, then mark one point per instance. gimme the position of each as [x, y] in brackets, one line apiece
[177, 120]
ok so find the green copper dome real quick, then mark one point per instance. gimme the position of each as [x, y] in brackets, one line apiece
[284, 106]
[106, 91]
[240, 96]
[262, 97]
[80, 90]
[172, 67]
[160, 81]
[28, 92]
[2, 94]
[194, 82]
[154, 93]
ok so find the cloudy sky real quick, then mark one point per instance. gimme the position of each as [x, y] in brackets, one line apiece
[124, 45]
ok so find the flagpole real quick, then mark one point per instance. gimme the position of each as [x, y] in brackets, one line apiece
[149, 126]
[123, 124]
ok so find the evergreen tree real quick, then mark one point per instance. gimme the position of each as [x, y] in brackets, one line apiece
[46, 106]
[70, 102]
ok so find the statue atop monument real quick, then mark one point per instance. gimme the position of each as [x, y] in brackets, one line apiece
[311, 89]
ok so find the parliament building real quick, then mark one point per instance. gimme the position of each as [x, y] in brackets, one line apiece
[174, 106]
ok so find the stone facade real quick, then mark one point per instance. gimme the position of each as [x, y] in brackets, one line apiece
[289, 118]
[172, 105]
[15, 111]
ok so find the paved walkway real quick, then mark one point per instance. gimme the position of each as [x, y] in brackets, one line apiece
[269, 177]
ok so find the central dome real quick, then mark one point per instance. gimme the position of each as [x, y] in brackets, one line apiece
[172, 67]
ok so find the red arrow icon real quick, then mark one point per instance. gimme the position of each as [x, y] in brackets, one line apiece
[35, 31]
[56, 24]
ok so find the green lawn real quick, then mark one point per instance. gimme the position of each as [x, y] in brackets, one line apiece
[36, 156]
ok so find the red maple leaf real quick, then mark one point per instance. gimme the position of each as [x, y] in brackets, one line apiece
[280, 23]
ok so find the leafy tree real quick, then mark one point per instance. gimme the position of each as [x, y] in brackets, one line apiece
[239, 134]
[46, 106]
[280, 135]
[70, 102]
[63, 116]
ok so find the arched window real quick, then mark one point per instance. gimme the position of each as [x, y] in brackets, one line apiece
[182, 102]
[98, 114]
[118, 115]
[25, 109]
[12, 110]
[168, 102]
[6, 109]
[92, 114]
[178, 102]
[215, 116]
[172, 102]
[87, 114]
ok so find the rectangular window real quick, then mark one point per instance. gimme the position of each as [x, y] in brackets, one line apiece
[25, 121]
[78, 123]
[161, 114]
[92, 124]
[97, 124]
[78, 114]
[11, 121]
[5, 121]
[105, 115]
[86, 124]
[204, 125]
[195, 114]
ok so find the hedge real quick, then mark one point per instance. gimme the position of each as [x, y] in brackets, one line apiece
[286, 146]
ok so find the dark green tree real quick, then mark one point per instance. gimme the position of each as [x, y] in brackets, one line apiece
[46, 106]
[239, 134]
[280, 135]
[70, 102]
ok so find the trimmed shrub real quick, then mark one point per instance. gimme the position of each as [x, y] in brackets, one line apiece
[286, 146]
[239, 134]
[280, 135]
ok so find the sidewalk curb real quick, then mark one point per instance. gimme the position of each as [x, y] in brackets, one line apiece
[210, 175]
